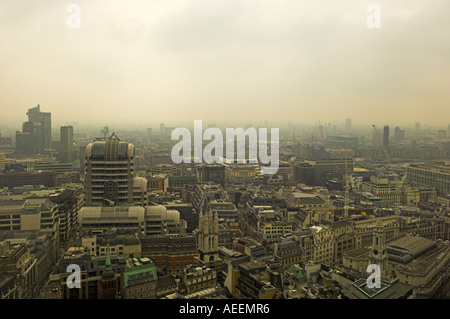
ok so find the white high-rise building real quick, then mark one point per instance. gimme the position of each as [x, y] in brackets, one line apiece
[110, 174]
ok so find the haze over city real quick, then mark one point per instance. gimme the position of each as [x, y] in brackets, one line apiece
[143, 62]
[232, 150]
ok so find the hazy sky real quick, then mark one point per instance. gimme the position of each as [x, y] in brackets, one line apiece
[295, 60]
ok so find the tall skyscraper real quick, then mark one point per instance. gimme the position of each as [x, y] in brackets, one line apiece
[66, 148]
[348, 124]
[149, 132]
[386, 137]
[399, 134]
[25, 143]
[66, 135]
[417, 126]
[109, 174]
[162, 131]
[35, 116]
[36, 133]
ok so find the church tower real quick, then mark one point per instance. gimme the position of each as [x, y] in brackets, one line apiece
[378, 251]
[108, 281]
[208, 238]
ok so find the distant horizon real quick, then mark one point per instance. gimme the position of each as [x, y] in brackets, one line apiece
[142, 125]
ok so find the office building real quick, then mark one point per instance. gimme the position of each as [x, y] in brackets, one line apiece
[399, 134]
[211, 173]
[170, 253]
[430, 175]
[100, 276]
[35, 116]
[36, 133]
[120, 241]
[66, 136]
[318, 173]
[18, 270]
[386, 137]
[348, 124]
[17, 179]
[140, 280]
[31, 214]
[66, 144]
[194, 279]
[109, 174]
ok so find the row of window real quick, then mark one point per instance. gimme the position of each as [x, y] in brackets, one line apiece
[9, 216]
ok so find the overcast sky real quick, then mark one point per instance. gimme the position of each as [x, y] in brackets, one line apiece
[154, 61]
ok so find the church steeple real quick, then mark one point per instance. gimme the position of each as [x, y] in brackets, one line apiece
[108, 273]
[109, 286]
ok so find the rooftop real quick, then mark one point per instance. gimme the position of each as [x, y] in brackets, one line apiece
[411, 245]
[393, 290]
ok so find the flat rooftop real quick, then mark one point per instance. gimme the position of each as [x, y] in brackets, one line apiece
[413, 245]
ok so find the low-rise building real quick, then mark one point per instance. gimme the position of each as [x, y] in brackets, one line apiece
[195, 279]
[139, 279]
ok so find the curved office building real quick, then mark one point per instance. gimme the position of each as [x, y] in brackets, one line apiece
[109, 175]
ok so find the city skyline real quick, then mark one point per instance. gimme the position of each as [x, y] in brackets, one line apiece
[258, 61]
[199, 150]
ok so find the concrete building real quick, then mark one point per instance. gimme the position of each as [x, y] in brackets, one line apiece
[287, 252]
[140, 280]
[239, 172]
[386, 137]
[419, 263]
[431, 175]
[30, 215]
[42, 249]
[66, 137]
[211, 173]
[166, 169]
[149, 220]
[319, 172]
[390, 191]
[274, 231]
[194, 279]
[109, 174]
[35, 116]
[95, 283]
[69, 202]
[186, 213]
[120, 241]
[16, 179]
[116, 216]
[160, 220]
[18, 267]
[36, 133]
[254, 282]
[66, 144]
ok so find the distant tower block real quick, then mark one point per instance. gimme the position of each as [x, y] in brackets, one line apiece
[348, 124]
[386, 137]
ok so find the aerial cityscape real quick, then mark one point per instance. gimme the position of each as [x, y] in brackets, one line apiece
[198, 150]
